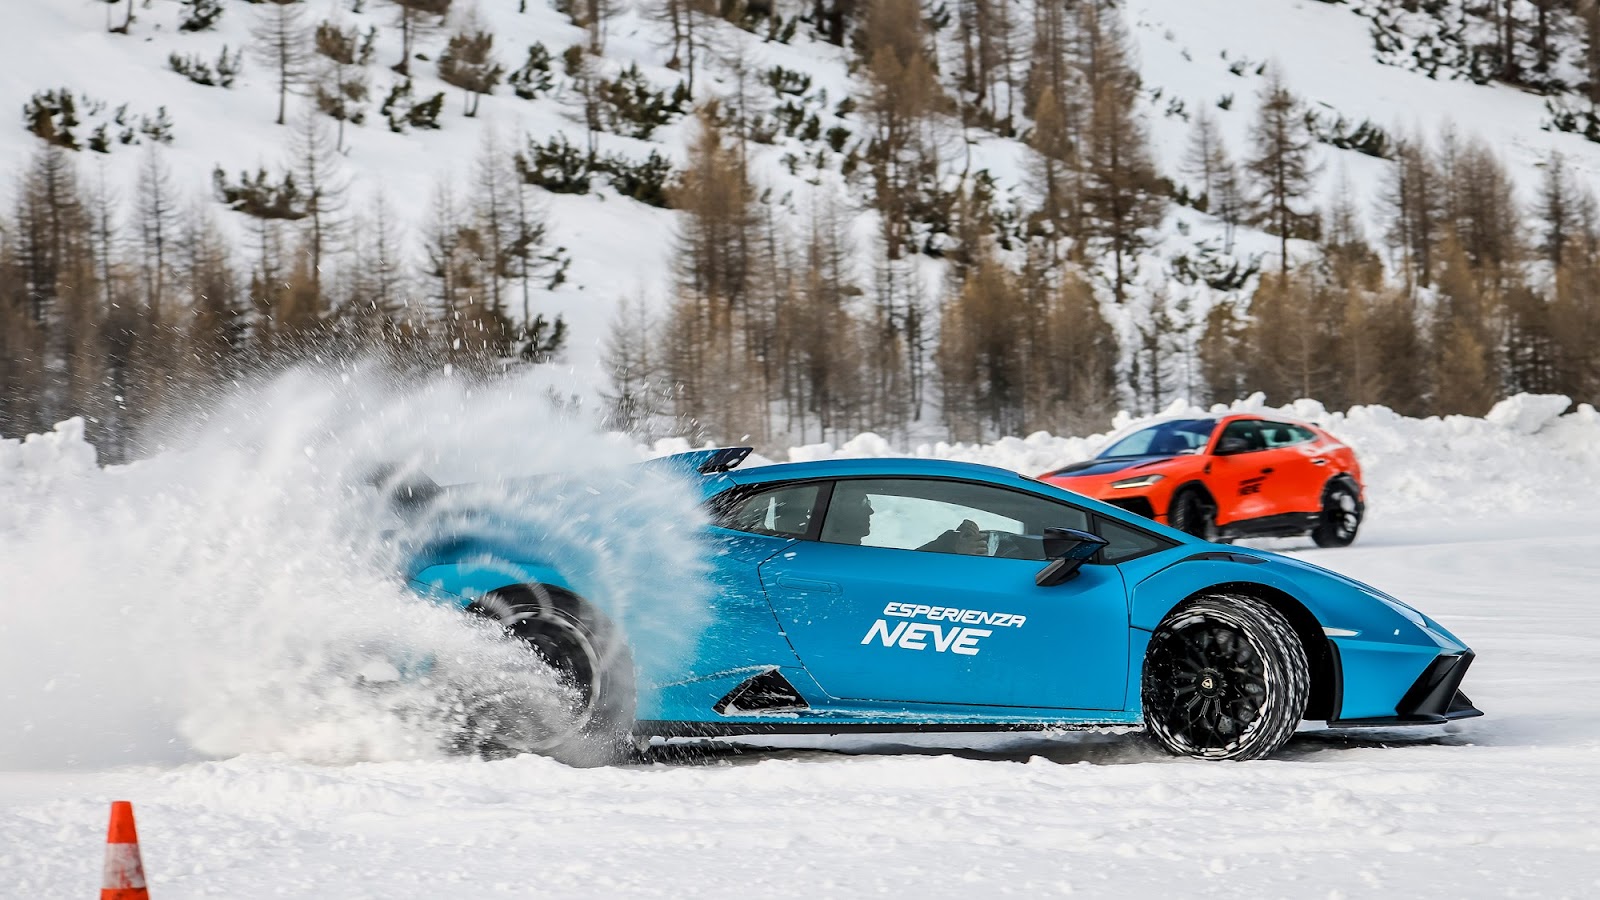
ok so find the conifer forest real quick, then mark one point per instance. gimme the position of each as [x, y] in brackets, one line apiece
[966, 218]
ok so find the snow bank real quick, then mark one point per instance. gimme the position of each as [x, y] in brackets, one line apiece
[36, 465]
[1527, 454]
[43, 456]
[225, 596]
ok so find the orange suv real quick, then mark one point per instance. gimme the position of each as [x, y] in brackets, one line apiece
[1230, 476]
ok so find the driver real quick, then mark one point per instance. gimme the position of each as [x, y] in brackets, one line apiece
[966, 539]
[850, 521]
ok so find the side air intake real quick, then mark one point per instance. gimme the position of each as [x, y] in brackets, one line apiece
[766, 692]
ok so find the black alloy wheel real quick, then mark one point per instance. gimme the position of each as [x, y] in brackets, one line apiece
[1341, 517]
[1225, 677]
[1192, 513]
[587, 718]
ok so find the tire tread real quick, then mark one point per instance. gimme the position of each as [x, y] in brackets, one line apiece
[1288, 674]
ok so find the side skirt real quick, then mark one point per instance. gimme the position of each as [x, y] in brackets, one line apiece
[655, 728]
[1282, 525]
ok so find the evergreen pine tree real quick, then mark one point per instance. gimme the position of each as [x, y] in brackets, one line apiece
[317, 167]
[282, 45]
[342, 92]
[157, 225]
[1281, 160]
[1120, 186]
[200, 15]
[468, 63]
[633, 402]
[417, 17]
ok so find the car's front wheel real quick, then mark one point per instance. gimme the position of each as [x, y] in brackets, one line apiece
[586, 718]
[1225, 677]
[1192, 513]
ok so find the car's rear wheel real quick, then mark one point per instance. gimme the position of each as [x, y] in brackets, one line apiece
[1225, 677]
[1192, 513]
[1341, 516]
[587, 718]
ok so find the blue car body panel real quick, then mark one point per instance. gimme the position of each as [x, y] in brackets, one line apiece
[894, 638]
[839, 604]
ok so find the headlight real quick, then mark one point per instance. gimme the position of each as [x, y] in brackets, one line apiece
[1139, 481]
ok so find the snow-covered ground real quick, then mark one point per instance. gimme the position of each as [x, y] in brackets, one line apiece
[179, 717]
[1506, 805]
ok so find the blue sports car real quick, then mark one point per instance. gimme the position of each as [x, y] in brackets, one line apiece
[880, 595]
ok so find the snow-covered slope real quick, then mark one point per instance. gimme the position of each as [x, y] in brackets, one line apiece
[1195, 53]
[1325, 50]
[618, 247]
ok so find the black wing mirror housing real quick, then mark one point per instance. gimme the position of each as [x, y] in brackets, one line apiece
[1067, 549]
[1230, 445]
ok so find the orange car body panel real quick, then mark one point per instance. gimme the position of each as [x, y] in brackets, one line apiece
[1244, 486]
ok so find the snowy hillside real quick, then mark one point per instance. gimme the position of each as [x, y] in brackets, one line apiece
[1190, 49]
[620, 247]
[1194, 54]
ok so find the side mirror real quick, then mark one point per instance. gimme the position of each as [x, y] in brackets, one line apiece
[1067, 549]
[1230, 445]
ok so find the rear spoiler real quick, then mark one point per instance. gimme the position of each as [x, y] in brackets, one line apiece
[409, 490]
[706, 462]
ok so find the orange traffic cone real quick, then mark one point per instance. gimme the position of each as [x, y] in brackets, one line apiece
[124, 873]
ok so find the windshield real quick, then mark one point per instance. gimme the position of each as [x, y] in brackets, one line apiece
[1164, 439]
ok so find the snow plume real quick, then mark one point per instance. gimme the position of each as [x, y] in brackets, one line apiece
[239, 592]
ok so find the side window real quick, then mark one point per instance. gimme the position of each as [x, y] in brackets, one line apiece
[1126, 543]
[782, 512]
[940, 516]
[1281, 434]
[1247, 430]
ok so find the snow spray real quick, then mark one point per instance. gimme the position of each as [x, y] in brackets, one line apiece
[234, 592]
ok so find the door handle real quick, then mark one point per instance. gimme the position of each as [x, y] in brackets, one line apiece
[1319, 462]
[1267, 471]
[806, 584]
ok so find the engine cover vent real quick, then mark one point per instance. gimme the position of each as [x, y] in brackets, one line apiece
[766, 692]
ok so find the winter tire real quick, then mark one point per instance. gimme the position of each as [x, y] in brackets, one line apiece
[1225, 677]
[590, 722]
[1341, 516]
[1192, 513]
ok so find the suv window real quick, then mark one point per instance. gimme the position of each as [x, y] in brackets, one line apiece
[1282, 434]
[943, 516]
[1247, 430]
[782, 511]
[1164, 439]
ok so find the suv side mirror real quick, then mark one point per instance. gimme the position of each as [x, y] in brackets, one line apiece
[1067, 549]
[1230, 444]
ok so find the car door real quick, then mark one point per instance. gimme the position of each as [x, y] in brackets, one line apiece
[1294, 454]
[1243, 479]
[922, 591]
